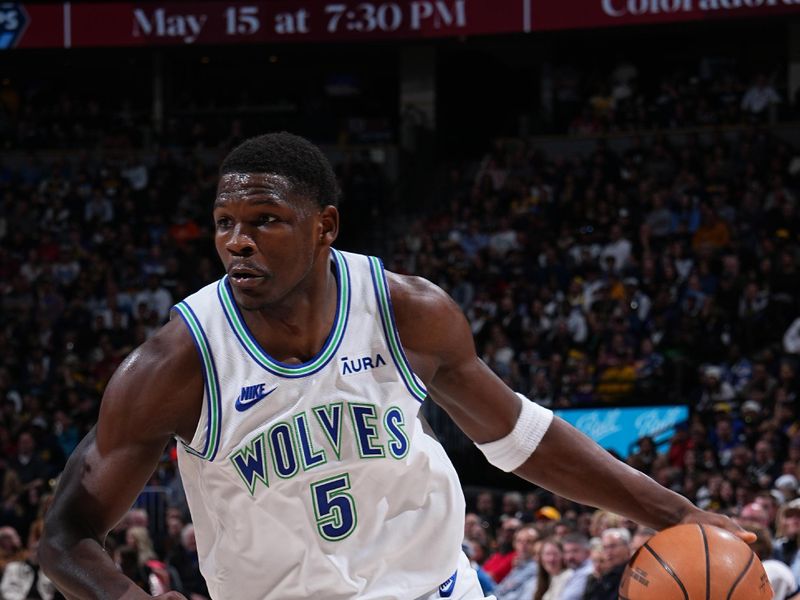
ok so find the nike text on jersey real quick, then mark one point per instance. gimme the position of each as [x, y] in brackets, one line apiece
[250, 395]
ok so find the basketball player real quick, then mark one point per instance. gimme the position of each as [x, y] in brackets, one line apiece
[292, 386]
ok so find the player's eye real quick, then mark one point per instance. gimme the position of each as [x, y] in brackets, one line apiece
[265, 220]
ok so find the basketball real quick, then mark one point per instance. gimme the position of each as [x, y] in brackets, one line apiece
[695, 562]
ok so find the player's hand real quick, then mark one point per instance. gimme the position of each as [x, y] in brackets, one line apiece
[170, 596]
[726, 523]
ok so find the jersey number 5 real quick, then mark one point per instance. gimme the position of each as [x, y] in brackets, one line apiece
[334, 507]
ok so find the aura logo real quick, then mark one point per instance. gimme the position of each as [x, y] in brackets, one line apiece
[13, 20]
[251, 395]
[361, 364]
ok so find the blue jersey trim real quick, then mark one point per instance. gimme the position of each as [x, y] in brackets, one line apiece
[209, 452]
[374, 264]
[279, 368]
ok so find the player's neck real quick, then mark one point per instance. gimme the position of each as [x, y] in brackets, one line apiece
[294, 330]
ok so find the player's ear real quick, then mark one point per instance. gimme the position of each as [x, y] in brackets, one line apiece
[328, 225]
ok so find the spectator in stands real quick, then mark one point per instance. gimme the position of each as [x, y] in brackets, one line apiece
[713, 234]
[764, 463]
[645, 455]
[599, 565]
[520, 583]
[10, 488]
[476, 529]
[23, 580]
[138, 537]
[761, 386]
[617, 248]
[553, 572]
[788, 486]
[783, 582]
[476, 553]
[127, 561]
[753, 515]
[512, 506]
[616, 548]
[172, 538]
[501, 561]
[576, 557]
[788, 532]
[485, 508]
[33, 474]
[31, 470]
[11, 548]
[155, 297]
[759, 97]
[185, 561]
[716, 393]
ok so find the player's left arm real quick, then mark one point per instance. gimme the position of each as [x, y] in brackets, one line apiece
[439, 343]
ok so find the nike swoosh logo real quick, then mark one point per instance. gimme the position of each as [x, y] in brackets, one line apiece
[242, 406]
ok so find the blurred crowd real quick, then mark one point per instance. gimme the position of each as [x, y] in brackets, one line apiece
[93, 253]
[665, 269]
[602, 278]
[622, 96]
[708, 95]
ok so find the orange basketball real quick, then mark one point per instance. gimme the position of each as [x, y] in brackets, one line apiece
[695, 562]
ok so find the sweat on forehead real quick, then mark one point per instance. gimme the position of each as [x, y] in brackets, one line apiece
[259, 188]
[255, 183]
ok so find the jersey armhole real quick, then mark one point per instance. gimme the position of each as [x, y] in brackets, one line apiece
[384, 300]
[212, 407]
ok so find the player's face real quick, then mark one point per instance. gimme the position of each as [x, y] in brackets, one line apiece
[267, 236]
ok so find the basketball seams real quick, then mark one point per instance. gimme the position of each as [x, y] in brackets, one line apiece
[708, 562]
[741, 575]
[669, 570]
[672, 561]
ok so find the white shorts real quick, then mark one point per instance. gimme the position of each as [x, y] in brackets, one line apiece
[462, 585]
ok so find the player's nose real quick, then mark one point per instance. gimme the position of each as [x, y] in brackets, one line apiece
[240, 243]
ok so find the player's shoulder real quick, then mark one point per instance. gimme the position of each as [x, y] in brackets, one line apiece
[160, 381]
[426, 315]
[420, 297]
[168, 353]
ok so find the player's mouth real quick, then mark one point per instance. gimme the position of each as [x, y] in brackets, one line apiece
[246, 277]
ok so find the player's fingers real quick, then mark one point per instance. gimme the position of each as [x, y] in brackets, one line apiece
[721, 521]
[746, 536]
[170, 596]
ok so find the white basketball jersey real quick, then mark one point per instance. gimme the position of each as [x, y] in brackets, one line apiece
[316, 480]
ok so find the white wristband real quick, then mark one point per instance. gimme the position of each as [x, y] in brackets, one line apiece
[510, 452]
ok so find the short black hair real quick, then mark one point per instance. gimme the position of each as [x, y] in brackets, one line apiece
[291, 156]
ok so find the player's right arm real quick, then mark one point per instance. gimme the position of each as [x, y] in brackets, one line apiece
[155, 394]
[438, 342]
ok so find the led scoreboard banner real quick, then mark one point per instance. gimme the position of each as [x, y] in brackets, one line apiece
[140, 24]
[70, 24]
